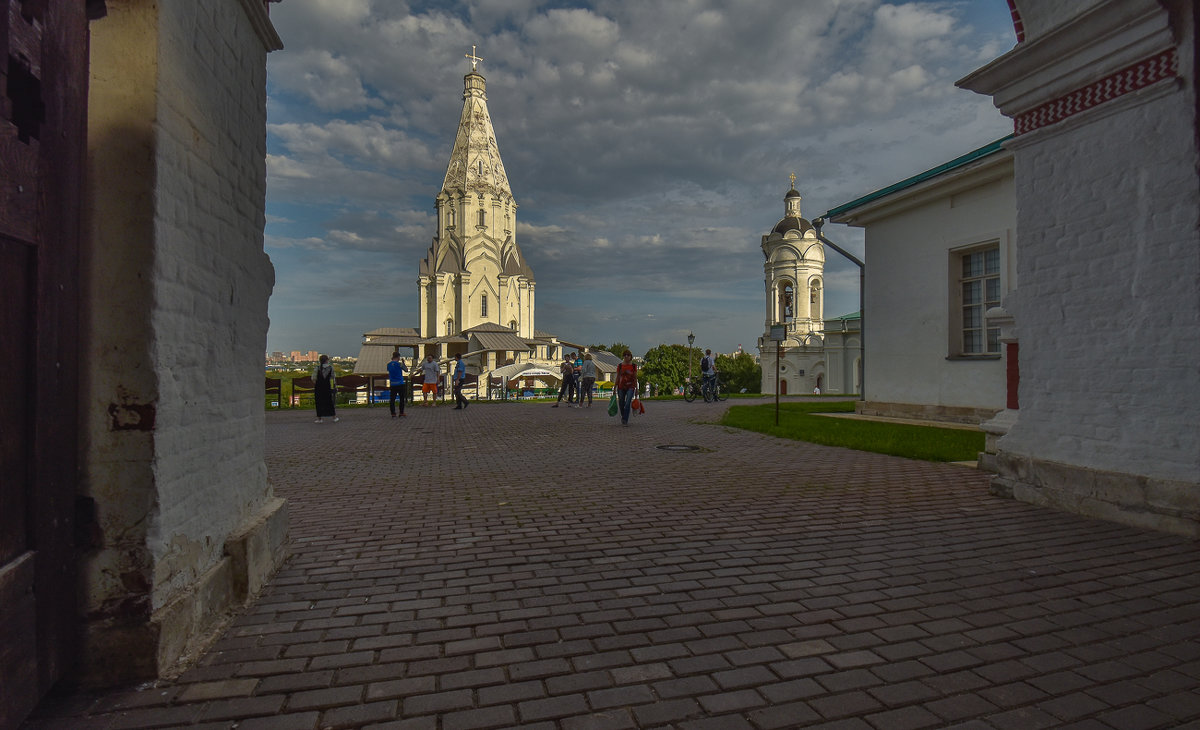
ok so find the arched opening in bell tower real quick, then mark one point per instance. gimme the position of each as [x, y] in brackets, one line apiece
[786, 307]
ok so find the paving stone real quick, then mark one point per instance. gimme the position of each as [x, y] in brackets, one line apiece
[552, 707]
[620, 696]
[905, 718]
[685, 686]
[355, 716]
[403, 687]
[322, 698]
[725, 702]
[458, 699]
[294, 721]
[640, 673]
[242, 707]
[717, 723]
[483, 718]
[780, 716]
[842, 705]
[508, 693]
[903, 693]
[216, 690]
[666, 711]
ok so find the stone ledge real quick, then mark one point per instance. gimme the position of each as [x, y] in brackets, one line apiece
[258, 549]
[118, 652]
[1130, 499]
[924, 412]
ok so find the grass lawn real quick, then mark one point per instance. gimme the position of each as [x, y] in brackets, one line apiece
[802, 422]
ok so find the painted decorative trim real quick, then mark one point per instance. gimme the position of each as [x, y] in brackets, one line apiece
[1018, 25]
[1137, 76]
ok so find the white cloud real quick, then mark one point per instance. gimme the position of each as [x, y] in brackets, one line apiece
[330, 83]
[647, 143]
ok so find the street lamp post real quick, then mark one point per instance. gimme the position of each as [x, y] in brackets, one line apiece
[691, 340]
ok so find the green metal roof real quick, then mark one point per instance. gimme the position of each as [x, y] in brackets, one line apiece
[931, 173]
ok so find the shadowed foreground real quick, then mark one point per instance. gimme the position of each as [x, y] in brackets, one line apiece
[513, 565]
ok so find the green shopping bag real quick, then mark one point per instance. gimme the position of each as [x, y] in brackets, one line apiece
[612, 404]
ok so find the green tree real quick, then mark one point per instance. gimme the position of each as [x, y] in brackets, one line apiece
[617, 348]
[666, 367]
[738, 372]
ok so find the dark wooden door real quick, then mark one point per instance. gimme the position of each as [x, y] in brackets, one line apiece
[43, 101]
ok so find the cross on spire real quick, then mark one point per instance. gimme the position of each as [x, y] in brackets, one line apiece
[793, 177]
[474, 59]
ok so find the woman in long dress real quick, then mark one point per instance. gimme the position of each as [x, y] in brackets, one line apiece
[325, 385]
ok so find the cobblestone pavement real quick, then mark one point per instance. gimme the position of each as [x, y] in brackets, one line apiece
[514, 565]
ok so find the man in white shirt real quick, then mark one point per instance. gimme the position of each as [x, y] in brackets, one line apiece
[430, 383]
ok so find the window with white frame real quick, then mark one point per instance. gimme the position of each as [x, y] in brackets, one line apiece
[978, 291]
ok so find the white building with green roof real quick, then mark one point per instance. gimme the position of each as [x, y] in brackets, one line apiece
[940, 253]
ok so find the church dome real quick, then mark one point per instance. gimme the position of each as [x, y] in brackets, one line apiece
[792, 223]
[791, 194]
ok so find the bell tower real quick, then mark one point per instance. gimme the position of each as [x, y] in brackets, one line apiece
[793, 273]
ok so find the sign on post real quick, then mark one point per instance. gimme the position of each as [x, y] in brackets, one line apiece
[778, 335]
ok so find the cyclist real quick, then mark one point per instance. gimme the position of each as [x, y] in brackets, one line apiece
[708, 368]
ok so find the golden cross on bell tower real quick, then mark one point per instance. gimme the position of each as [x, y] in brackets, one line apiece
[474, 59]
[793, 177]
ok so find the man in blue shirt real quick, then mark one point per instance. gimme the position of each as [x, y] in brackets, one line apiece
[396, 371]
[460, 374]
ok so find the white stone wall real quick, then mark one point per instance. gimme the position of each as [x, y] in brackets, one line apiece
[1108, 313]
[212, 280]
[175, 325]
[909, 297]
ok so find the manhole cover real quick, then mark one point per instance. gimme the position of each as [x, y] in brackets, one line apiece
[679, 447]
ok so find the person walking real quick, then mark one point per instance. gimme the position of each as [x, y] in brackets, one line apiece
[588, 380]
[460, 374]
[396, 369]
[577, 372]
[626, 385]
[708, 368]
[429, 381]
[324, 388]
[567, 370]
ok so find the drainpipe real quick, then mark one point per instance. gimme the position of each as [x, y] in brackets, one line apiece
[818, 223]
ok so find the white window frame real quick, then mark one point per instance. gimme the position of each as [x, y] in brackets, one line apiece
[958, 328]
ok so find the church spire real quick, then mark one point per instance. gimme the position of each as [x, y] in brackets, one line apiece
[475, 164]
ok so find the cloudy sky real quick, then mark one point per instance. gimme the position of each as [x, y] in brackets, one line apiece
[648, 144]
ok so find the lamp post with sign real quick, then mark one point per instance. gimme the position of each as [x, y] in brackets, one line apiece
[691, 341]
[778, 335]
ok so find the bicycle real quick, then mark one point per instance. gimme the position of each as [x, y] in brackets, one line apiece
[697, 388]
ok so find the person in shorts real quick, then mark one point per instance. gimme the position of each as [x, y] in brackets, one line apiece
[429, 383]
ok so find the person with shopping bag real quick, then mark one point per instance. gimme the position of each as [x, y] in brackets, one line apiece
[626, 385]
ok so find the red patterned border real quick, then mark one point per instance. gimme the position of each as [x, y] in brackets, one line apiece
[1018, 26]
[1138, 76]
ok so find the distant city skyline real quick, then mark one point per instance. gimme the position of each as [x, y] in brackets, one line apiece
[647, 164]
